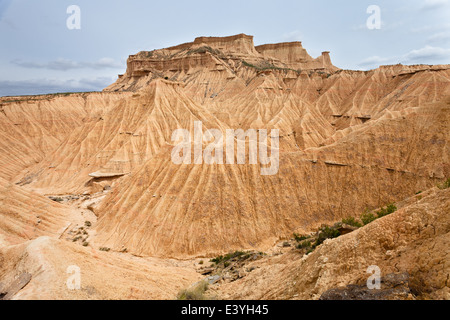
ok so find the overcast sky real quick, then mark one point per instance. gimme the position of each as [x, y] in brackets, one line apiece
[40, 54]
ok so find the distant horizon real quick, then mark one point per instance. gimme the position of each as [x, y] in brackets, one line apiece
[101, 90]
[49, 51]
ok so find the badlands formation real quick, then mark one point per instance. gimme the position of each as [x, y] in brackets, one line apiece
[87, 180]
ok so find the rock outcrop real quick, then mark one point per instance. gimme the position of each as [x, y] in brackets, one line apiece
[392, 287]
[225, 55]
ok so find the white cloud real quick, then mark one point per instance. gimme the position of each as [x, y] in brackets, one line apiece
[374, 60]
[293, 36]
[444, 27]
[425, 55]
[428, 54]
[385, 26]
[439, 37]
[434, 4]
[360, 27]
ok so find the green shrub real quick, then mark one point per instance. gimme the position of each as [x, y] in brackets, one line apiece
[304, 245]
[229, 256]
[299, 238]
[328, 232]
[245, 63]
[351, 221]
[266, 66]
[386, 211]
[205, 49]
[367, 217]
[325, 232]
[217, 260]
[445, 184]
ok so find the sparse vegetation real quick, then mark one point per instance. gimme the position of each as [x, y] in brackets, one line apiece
[445, 184]
[40, 97]
[147, 54]
[231, 264]
[299, 238]
[367, 217]
[229, 256]
[351, 221]
[88, 224]
[267, 66]
[286, 244]
[304, 244]
[205, 49]
[196, 292]
[56, 199]
[309, 243]
[245, 63]
[326, 232]
[386, 211]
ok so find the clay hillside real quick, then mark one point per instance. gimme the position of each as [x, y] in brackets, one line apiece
[87, 179]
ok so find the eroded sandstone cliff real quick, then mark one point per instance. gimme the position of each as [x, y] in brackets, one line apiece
[348, 141]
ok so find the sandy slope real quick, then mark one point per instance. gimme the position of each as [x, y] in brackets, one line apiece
[415, 239]
[104, 275]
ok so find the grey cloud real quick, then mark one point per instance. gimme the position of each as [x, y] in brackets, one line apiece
[4, 4]
[434, 4]
[43, 86]
[66, 64]
[440, 37]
